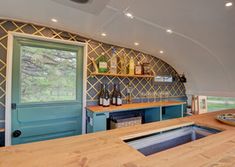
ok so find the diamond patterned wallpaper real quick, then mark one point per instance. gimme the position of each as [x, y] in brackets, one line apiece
[140, 86]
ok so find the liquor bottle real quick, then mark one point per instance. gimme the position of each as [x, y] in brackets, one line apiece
[138, 69]
[106, 99]
[118, 96]
[131, 66]
[102, 64]
[101, 95]
[113, 62]
[123, 63]
[114, 95]
[146, 69]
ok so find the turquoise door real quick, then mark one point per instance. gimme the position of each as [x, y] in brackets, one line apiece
[46, 90]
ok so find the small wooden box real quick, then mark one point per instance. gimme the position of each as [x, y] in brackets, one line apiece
[119, 123]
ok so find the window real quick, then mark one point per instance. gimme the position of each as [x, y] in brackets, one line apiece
[220, 103]
[47, 74]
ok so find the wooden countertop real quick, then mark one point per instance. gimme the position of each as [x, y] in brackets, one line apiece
[106, 149]
[133, 106]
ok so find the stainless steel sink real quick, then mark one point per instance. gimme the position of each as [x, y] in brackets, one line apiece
[157, 142]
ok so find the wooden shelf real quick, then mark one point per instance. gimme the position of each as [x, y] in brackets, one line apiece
[123, 75]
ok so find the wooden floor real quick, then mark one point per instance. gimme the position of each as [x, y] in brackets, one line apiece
[106, 149]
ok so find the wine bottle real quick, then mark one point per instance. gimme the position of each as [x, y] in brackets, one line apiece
[106, 99]
[101, 95]
[118, 96]
[114, 95]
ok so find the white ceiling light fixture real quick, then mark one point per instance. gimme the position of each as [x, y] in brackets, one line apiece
[129, 15]
[54, 20]
[103, 34]
[169, 31]
[228, 4]
[136, 44]
[161, 51]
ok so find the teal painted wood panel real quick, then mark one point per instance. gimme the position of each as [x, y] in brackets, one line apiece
[152, 115]
[31, 114]
[96, 121]
[45, 120]
[172, 112]
[100, 122]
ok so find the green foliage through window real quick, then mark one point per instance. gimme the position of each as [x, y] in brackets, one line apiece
[47, 74]
[220, 103]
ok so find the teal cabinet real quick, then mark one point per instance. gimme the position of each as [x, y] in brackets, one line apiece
[96, 121]
[170, 112]
[152, 115]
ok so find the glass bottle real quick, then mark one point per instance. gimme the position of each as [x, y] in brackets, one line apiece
[113, 62]
[131, 66]
[106, 99]
[123, 63]
[101, 95]
[118, 96]
[128, 95]
[102, 64]
[114, 95]
[138, 69]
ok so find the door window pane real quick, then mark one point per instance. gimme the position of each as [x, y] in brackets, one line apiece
[47, 75]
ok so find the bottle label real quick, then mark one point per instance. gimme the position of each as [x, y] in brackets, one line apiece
[138, 70]
[114, 100]
[101, 101]
[106, 102]
[103, 65]
[113, 63]
[119, 101]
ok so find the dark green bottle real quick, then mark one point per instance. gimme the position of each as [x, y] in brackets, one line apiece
[106, 99]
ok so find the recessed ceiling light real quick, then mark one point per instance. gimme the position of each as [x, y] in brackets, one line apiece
[129, 15]
[136, 44]
[169, 31]
[228, 4]
[103, 34]
[161, 51]
[54, 20]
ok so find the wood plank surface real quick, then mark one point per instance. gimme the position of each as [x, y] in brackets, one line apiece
[133, 106]
[123, 75]
[106, 148]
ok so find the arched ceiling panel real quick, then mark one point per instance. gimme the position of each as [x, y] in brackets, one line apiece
[202, 45]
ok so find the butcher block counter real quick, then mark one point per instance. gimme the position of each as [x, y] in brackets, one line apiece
[107, 149]
[133, 106]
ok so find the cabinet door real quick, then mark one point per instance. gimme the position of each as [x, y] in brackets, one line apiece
[100, 122]
[152, 115]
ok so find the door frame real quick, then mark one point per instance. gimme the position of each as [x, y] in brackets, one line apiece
[8, 95]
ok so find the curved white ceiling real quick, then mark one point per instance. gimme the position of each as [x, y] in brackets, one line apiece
[202, 45]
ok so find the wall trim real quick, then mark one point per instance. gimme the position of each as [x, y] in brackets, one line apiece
[11, 36]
